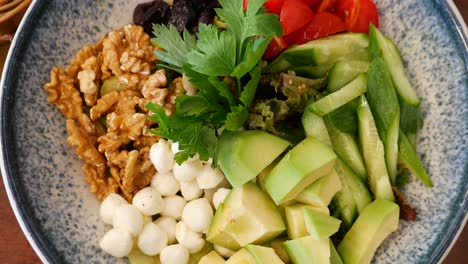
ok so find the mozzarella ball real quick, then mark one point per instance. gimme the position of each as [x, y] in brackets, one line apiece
[165, 183]
[174, 254]
[149, 201]
[188, 170]
[117, 242]
[188, 238]
[174, 205]
[197, 214]
[152, 239]
[147, 219]
[190, 190]
[168, 224]
[109, 205]
[219, 196]
[161, 156]
[210, 177]
[128, 217]
[224, 252]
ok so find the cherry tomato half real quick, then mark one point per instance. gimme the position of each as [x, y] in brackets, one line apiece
[358, 14]
[276, 46]
[323, 24]
[327, 5]
[274, 6]
[294, 14]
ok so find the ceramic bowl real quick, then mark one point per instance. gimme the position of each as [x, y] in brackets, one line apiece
[59, 215]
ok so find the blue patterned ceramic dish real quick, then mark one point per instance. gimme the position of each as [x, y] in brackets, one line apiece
[60, 216]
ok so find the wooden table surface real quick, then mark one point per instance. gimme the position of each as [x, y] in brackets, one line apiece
[15, 249]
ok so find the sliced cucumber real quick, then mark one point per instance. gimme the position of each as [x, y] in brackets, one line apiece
[346, 94]
[383, 102]
[314, 126]
[280, 64]
[326, 50]
[379, 47]
[344, 118]
[411, 119]
[346, 147]
[373, 150]
[409, 158]
[361, 194]
[312, 71]
[344, 71]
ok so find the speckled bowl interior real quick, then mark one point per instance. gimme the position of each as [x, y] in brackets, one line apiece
[60, 216]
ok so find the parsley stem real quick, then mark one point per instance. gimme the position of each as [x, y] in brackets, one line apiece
[239, 87]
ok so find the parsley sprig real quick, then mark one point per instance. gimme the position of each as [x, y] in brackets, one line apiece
[224, 65]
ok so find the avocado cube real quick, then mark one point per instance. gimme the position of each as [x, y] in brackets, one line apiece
[319, 225]
[321, 192]
[308, 250]
[376, 222]
[305, 163]
[212, 258]
[253, 254]
[247, 216]
[243, 155]
[295, 220]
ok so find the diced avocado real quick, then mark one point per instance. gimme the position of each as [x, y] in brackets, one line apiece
[253, 254]
[212, 258]
[111, 85]
[243, 155]
[319, 225]
[138, 257]
[263, 254]
[379, 47]
[376, 222]
[374, 154]
[264, 173]
[344, 71]
[334, 256]
[196, 257]
[339, 98]
[277, 245]
[321, 192]
[326, 50]
[247, 216]
[385, 108]
[308, 250]
[305, 163]
[409, 158]
[241, 257]
[295, 218]
[314, 126]
[347, 148]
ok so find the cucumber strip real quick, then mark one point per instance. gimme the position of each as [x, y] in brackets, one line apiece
[315, 126]
[373, 150]
[409, 158]
[353, 196]
[326, 50]
[359, 190]
[383, 102]
[280, 64]
[334, 256]
[411, 119]
[346, 94]
[312, 71]
[346, 147]
[379, 47]
[344, 71]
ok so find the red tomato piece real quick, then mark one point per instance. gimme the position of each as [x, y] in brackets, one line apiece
[294, 14]
[276, 46]
[358, 14]
[327, 5]
[245, 4]
[314, 4]
[323, 24]
[274, 6]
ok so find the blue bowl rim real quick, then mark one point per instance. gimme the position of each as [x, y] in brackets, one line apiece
[20, 205]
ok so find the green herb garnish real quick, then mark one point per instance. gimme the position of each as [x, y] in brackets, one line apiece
[224, 65]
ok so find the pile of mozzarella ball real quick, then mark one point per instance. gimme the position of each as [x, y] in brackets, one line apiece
[182, 199]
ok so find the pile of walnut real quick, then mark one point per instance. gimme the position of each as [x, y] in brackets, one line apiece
[103, 93]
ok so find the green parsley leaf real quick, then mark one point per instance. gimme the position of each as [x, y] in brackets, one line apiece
[236, 118]
[195, 105]
[223, 89]
[248, 94]
[215, 54]
[249, 24]
[174, 46]
[253, 53]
